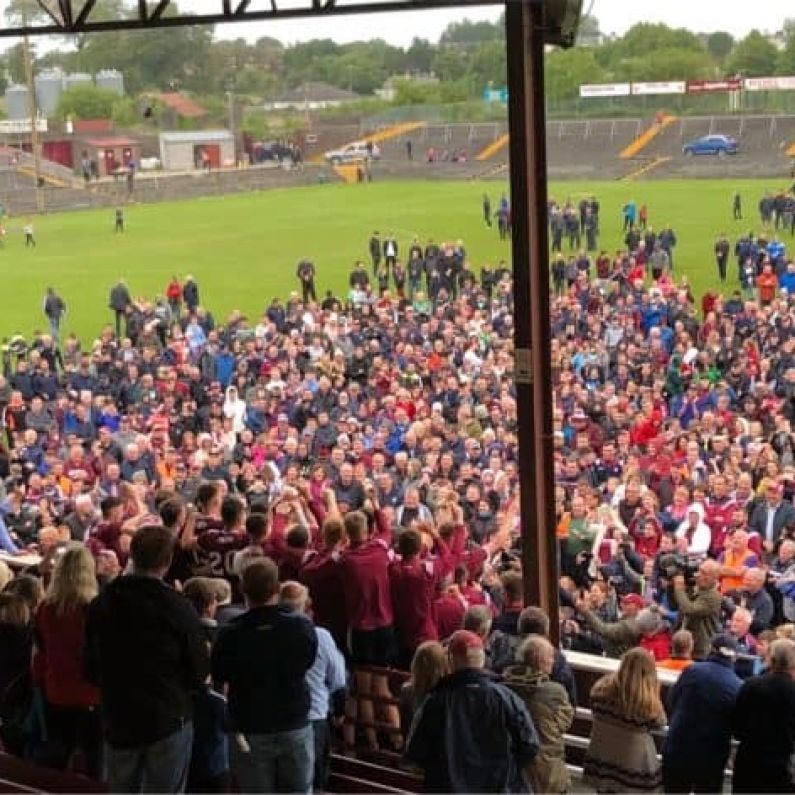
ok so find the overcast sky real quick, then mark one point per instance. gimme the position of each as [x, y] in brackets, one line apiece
[615, 16]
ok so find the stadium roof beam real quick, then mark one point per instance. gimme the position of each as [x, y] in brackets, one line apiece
[74, 16]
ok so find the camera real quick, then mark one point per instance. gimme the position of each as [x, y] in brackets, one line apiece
[673, 564]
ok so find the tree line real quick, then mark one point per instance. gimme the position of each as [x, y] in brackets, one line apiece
[468, 58]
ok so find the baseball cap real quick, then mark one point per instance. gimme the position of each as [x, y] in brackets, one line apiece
[633, 599]
[462, 641]
[725, 645]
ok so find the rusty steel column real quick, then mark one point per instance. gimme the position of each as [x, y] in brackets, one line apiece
[528, 175]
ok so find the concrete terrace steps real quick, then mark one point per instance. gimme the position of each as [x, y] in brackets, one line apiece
[395, 131]
[635, 147]
[493, 148]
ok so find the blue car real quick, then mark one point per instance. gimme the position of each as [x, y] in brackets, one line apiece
[720, 145]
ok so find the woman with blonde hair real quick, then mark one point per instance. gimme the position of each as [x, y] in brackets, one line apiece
[428, 666]
[626, 707]
[72, 704]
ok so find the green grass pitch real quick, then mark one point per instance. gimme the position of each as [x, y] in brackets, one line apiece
[243, 249]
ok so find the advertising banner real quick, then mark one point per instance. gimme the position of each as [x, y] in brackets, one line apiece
[605, 90]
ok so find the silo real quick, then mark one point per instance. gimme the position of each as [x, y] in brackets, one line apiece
[17, 102]
[77, 79]
[111, 80]
[49, 86]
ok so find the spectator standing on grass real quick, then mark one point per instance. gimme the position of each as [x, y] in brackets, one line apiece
[629, 212]
[374, 247]
[54, 309]
[263, 657]
[146, 652]
[120, 302]
[764, 725]
[306, 276]
[472, 734]
[190, 294]
[722, 256]
[119, 224]
[767, 285]
[174, 295]
[30, 239]
[700, 706]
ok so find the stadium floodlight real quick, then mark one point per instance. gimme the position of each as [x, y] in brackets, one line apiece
[561, 20]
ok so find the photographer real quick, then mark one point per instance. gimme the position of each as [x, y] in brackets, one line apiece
[701, 609]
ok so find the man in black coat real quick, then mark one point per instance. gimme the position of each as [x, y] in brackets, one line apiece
[722, 256]
[764, 725]
[190, 294]
[375, 251]
[119, 302]
[306, 275]
[146, 651]
[667, 241]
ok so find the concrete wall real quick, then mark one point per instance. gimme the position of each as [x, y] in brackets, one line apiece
[179, 155]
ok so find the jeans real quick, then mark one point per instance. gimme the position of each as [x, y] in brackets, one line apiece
[55, 323]
[280, 762]
[321, 732]
[159, 767]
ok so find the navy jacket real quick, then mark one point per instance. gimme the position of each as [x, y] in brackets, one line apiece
[263, 655]
[700, 707]
[473, 734]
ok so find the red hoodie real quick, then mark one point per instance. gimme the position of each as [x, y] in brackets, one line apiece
[448, 613]
[322, 574]
[413, 585]
[365, 581]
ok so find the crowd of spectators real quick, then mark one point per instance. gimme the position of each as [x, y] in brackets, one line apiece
[344, 475]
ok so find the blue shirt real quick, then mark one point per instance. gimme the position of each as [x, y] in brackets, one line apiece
[6, 542]
[326, 676]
